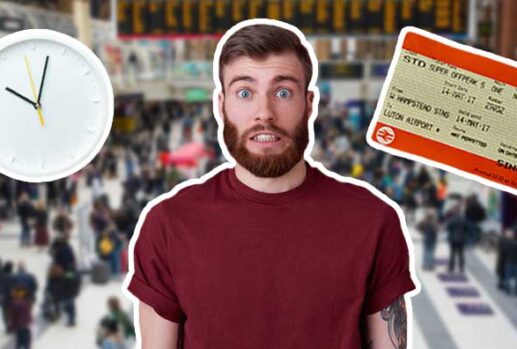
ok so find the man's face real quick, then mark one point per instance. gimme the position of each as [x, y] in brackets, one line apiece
[265, 111]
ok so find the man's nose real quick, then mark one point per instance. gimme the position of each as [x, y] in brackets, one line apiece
[265, 110]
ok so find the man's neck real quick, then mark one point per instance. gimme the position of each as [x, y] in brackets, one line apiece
[272, 185]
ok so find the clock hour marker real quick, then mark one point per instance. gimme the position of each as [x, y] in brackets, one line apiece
[13, 159]
[63, 52]
[90, 129]
[96, 100]
[87, 72]
[43, 165]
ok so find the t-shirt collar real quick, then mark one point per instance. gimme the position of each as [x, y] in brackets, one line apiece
[270, 198]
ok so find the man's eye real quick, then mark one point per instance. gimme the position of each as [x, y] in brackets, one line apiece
[283, 93]
[244, 94]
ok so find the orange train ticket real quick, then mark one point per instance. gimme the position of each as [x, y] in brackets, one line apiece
[450, 106]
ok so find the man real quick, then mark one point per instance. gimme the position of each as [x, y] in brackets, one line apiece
[457, 228]
[27, 281]
[271, 253]
[26, 212]
[64, 279]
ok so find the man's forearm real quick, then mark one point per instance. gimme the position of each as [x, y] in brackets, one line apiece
[387, 329]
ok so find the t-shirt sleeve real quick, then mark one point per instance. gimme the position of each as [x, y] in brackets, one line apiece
[153, 280]
[389, 277]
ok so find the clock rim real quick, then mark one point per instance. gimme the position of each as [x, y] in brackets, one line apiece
[95, 62]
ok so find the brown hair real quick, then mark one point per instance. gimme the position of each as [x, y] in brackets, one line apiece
[261, 40]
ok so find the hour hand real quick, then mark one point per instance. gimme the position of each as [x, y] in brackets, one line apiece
[22, 97]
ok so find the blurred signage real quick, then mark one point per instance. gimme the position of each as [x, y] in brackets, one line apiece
[197, 95]
[338, 71]
[198, 17]
[380, 70]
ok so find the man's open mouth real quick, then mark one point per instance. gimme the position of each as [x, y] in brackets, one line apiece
[265, 137]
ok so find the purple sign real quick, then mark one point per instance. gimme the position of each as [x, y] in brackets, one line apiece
[446, 277]
[462, 292]
[475, 309]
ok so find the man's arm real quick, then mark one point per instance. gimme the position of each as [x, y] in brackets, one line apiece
[387, 329]
[156, 332]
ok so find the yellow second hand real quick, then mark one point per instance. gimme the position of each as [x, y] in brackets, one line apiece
[42, 122]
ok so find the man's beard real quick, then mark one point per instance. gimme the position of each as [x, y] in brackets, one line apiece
[267, 164]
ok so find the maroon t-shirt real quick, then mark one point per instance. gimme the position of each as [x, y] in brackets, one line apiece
[244, 269]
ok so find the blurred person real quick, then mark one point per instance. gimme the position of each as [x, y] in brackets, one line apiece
[97, 184]
[112, 339]
[429, 194]
[41, 237]
[410, 202]
[62, 223]
[20, 317]
[25, 280]
[7, 192]
[212, 252]
[99, 217]
[132, 185]
[507, 261]
[159, 179]
[117, 314]
[70, 193]
[457, 228]
[52, 193]
[429, 227]
[6, 284]
[26, 214]
[65, 278]
[475, 214]
[111, 163]
[127, 215]
[109, 246]
[441, 195]
[124, 254]
[129, 162]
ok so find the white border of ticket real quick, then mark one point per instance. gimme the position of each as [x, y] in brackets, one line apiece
[384, 92]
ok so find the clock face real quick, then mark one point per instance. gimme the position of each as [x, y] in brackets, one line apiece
[56, 105]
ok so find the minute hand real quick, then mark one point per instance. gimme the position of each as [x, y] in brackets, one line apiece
[42, 81]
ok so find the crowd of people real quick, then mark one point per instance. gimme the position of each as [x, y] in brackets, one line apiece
[135, 161]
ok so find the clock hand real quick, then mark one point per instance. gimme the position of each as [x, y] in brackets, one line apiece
[38, 106]
[42, 81]
[22, 97]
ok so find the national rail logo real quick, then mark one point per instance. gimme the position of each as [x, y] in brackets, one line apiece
[385, 135]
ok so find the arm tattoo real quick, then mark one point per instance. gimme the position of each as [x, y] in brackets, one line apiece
[395, 315]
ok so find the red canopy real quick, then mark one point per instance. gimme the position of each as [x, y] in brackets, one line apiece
[186, 155]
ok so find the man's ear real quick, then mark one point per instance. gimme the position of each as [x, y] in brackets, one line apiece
[309, 99]
[220, 103]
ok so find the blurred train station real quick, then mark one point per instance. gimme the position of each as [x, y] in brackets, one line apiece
[159, 54]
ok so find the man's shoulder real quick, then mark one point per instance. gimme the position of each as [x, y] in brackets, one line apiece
[343, 188]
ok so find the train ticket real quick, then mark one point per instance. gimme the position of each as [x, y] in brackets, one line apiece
[451, 106]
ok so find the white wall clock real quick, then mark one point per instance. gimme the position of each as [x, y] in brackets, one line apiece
[56, 105]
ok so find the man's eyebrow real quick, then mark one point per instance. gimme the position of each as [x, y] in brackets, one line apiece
[276, 79]
[280, 78]
[241, 78]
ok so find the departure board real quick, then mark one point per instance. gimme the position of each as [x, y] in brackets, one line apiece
[313, 17]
